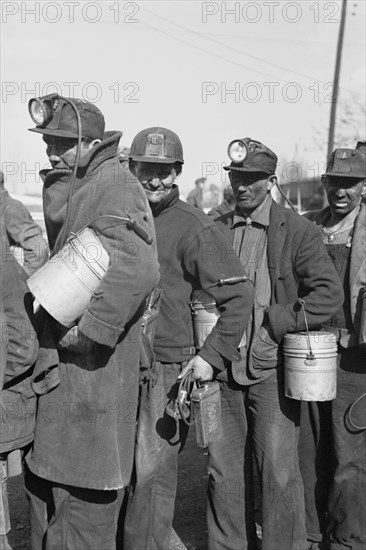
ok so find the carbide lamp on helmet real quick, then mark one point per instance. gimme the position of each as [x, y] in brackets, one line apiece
[64, 117]
[41, 109]
[237, 151]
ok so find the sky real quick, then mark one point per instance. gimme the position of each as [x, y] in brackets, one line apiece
[210, 71]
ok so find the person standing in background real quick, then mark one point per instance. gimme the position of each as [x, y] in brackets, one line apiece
[196, 195]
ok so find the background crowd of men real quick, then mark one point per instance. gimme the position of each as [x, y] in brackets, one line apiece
[109, 384]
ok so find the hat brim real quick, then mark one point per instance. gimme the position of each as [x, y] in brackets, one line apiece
[350, 175]
[252, 170]
[57, 133]
[156, 160]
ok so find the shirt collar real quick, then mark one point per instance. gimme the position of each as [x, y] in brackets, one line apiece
[347, 222]
[259, 216]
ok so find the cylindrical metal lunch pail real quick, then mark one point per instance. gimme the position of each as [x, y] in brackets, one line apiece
[65, 284]
[310, 378]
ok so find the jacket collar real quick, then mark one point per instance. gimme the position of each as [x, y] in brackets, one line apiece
[167, 202]
[358, 242]
[89, 163]
[276, 235]
[260, 215]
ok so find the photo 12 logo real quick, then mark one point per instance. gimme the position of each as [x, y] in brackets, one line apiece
[271, 92]
[120, 92]
[270, 12]
[53, 12]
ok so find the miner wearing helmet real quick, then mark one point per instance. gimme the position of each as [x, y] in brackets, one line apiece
[193, 255]
[284, 255]
[334, 432]
[88, 373]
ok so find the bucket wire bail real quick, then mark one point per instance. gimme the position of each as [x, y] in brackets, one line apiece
[310, 358]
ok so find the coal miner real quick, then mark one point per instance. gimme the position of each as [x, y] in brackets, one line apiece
[283, 254]
[87, 376]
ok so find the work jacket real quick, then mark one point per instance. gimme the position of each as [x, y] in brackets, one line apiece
[299, 267]
[357, 273]
[19, 347]
[194, 256]
[21, 230]
[86, 418]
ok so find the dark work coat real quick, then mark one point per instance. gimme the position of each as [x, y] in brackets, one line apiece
[19, 347]
[299, 267]
[357, 275]
[21, 230]
[85, 430]
[195, 255]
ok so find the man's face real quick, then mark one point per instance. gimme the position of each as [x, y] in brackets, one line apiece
[343, 194]
[250, 189]
[62, 151]
[156, 178]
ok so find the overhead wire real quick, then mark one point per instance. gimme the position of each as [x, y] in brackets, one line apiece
[237, 50]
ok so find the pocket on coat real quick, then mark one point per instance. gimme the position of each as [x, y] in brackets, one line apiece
[265, 351]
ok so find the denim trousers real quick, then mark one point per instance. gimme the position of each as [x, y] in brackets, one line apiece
[70, 518]
[260, 422]
[150, 508]
[316, 465]
[343, 454]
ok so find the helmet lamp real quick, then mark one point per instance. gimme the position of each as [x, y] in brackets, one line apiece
[237, 151]
[41, 110]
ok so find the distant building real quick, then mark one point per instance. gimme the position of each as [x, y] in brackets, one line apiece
[304, 194]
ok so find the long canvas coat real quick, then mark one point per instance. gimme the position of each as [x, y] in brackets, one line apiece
[85, 429]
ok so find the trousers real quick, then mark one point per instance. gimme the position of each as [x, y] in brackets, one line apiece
[260, 422]
[70, 518]
[150, 508]
[336, 447]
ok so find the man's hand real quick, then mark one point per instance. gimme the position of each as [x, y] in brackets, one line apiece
[201, 369]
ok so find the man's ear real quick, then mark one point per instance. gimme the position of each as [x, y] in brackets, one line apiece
[132, 167]
[271, 182]
[94, 143]
[89, 144]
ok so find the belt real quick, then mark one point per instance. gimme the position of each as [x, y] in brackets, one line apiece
[188, 351]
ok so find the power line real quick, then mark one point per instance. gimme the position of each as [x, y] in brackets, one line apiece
[256, 58]
[218, 56]
[266, 39]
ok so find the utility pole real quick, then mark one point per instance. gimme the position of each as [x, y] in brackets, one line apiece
[337, 70]
[336, 80]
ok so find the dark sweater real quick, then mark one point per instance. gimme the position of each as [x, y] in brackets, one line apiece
[194, 254]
